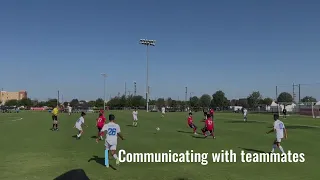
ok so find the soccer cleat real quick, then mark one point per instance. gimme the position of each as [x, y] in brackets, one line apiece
[117, 161]
[195, 133]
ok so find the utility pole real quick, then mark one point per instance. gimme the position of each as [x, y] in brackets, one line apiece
[147, 42]
[186, 98]
[58, 98]
[125, 89]
[135, 88]
[276, 93]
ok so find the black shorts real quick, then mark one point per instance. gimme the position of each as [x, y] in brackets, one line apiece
[54, 118]
[206, 130]
[99, 129]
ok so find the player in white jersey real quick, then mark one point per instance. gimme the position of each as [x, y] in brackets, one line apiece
[79, 124]
[245, 111]
[163, 111]
[135, 117]
[69, 110]
[281, 132]
[112, 131]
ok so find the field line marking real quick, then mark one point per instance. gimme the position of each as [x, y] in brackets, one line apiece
[271, 123]
[17, 119]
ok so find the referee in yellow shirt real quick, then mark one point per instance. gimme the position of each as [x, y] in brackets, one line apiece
[55, 113]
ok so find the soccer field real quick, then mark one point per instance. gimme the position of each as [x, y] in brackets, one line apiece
[29, 150]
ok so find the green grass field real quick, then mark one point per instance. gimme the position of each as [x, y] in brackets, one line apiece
[29, 150]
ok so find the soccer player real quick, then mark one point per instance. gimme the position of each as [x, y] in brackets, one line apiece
[209, 127]
[55, 113]
[112, 131]
[135, 117]
[284, 111]
[69, 110]
[79, 124]
[191, 124]
[163, 111]
[245, 111]
[212, 113]
[205, 113]
[100, 123]
[281, 133]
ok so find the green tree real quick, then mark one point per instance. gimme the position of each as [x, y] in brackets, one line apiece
[92, 103]
[74, 102]
[99, 103]
[12, 102]
[169, 102]
[219, 100]
[160, 102]
[194, 101]
[205, 100]
[254, 99]
[138, 101]
[285, 97]
[243, 102]
[25, 102]
[152, 102]
[267, 101]
[123, 101]
[308, 99]
[51, 103]
[174, 104]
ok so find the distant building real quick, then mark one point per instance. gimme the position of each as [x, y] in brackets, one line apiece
[6, 96]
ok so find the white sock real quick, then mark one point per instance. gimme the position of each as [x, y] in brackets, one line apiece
[273, 148]
[281, 149]
[115, 156]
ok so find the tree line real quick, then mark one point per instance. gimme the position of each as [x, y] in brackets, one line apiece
[216, 100]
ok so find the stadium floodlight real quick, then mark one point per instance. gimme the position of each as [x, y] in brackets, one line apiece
[104, 75]
[147, 42]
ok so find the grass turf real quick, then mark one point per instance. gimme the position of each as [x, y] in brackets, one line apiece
[29, 150]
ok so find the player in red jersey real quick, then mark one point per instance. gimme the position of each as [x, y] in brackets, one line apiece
[212, 113]
[209, 127]
[191, 125]
[100, 123]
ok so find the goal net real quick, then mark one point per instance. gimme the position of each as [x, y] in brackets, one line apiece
[309, 109]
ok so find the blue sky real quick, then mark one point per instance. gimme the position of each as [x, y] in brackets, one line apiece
[234, 46]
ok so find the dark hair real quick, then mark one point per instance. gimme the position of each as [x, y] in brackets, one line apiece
[276, 116]
[111, 117]
[208, 115]
[83, 113]
[190, 113]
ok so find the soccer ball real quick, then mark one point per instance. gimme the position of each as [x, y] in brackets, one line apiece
[158, 129]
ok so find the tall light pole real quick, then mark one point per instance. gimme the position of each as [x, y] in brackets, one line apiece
[104, 75]
[147, 43]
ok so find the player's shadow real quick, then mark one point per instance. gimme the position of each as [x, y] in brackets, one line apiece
[130, 125]
[244, 122]
[252, 150]
[199, 137]
[74, 136]
[94, 137]
[181, 179]
[100, 160]
[186, 132]
[297, 127]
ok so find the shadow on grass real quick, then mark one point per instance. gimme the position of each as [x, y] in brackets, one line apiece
[130, 125]
[73, 174]
[252, 150]
[100, 161]
[186, 132]
[74, 136]
[245, 122]
[198, 137]
[181, 178]
[94, 137]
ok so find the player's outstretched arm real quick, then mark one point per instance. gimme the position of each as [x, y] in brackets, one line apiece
[272, 130]
[120, 136]
[285, 133]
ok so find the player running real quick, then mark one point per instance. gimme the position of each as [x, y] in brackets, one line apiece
[55, 113]
[281, 132]
[112, 131]
[284, 111]
[163, 111]
[79, 124]
[191, 124]
[135, 117]
[69, 110]
[212, 113]
[209, 127]
[100, 123]
[245, 112]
